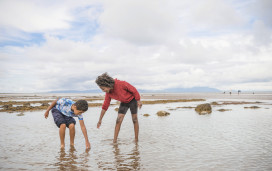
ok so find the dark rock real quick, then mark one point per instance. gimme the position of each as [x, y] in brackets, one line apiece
[252, 107]
[45, 104]
[162, 113]
[26, 104]
[186, 107]
[223, 110]
[214, 103]
[6, 107]
[21, 114]
[204, 109]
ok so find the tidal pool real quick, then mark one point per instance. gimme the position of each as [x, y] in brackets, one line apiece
[240, 139]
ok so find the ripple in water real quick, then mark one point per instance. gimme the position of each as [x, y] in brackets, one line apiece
[235, 140]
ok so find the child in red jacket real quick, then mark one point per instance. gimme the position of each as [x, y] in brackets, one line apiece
[126, 94]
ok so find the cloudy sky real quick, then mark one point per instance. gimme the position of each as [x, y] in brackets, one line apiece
[64, 45]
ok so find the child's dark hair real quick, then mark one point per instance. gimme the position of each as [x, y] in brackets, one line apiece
[105, 80]
[82, 105]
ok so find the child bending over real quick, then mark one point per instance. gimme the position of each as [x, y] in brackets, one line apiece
[63, 111]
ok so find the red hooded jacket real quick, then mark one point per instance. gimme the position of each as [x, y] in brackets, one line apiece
[122, 91]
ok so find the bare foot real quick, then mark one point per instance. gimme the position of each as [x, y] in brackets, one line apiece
[72, 148]
[87, 150]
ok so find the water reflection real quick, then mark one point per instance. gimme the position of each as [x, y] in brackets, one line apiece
[20, 114]
[129, 161]
[70, 160]
[236, 140]
[85, 158]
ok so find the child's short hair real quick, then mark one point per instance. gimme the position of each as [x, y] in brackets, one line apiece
[105, 80]
[82, 105]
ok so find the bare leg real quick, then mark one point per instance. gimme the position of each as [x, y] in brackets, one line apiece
[119, 121]
[62, 135]
[136, 126]
[72, 131]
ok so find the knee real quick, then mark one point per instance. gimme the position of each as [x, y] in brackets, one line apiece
[72, 126]
[119, 120]
[135, 120]
[62, 126]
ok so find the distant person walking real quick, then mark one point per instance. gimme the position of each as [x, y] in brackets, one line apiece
[126, 94]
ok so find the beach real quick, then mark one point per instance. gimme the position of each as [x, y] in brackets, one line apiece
[236, 135]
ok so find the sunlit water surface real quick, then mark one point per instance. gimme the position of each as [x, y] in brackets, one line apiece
[240, 139]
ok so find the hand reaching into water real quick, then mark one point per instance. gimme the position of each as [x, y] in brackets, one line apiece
[46, 114]
[99, 124]
[139, 104]
[88, 145]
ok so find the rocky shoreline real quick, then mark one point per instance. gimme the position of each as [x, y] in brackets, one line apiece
[21, 106]
[35, 103]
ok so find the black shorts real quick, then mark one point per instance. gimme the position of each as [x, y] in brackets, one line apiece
[59, 118]
[133, 105]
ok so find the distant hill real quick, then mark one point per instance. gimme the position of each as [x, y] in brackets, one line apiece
[184, 90]
[171, 90]
[76, 91]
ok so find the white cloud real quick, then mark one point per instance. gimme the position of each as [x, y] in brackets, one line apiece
[140, 22]
[31, 16]
[262, 34]
[152, 45]
[262, 11]
[215, 14]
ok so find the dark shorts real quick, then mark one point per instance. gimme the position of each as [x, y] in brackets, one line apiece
[59, 118]
[133, 105]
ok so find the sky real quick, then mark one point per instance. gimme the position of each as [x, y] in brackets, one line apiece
[154, 45]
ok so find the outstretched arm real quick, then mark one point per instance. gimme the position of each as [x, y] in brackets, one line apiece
[84, 131]
[139, 104]
[49, 108]
[101, 117]
[105, 106]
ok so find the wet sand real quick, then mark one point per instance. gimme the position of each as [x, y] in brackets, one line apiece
[240, 138]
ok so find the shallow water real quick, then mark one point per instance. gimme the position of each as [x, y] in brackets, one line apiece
[240, 139]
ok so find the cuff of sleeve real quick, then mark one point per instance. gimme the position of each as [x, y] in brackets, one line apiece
[105, 108]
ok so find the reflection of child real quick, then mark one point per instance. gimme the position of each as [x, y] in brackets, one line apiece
[124, 92]
[63, 111]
